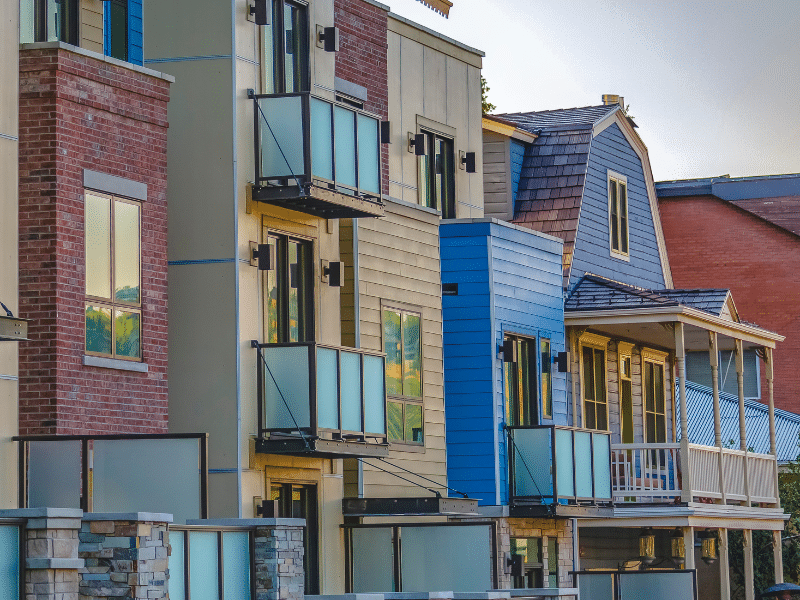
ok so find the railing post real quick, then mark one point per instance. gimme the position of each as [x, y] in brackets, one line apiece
[742, 424]
[680, 359]
[713, 357]
[747, 551]
[724, 566]
[768, 359]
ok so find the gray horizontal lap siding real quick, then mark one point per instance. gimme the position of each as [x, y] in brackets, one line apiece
[610, 151]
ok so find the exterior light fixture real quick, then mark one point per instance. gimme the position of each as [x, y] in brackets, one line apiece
[708, 539]
[677, 546]
[647, 546]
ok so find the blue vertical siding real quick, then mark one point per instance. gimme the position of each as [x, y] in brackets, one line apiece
[610, 151]
[509, 282]
[135, 32]
[517, 154]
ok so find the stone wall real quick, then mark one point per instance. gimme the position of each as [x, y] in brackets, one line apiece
[279, 563]
[544, 528]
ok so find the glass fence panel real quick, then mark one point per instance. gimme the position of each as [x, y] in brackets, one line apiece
[236, 564]
[598, 586]
[533, 462]
[564, 463]
[321, 139]
[177, 566]
[350, 374]
[280, 123]
[462, 555]
[290, 370]
[601, 464]
[583, 456]
[345, 132]
[373, 557]
[124, 480]
[9, 562]
[203, 565]
[374, 395]
[646, 586]
[54, 474]
[327, 389]
[368, 155]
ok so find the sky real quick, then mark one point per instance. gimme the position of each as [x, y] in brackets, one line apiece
[714, 86]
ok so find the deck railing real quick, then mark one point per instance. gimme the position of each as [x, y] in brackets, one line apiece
[655, 473]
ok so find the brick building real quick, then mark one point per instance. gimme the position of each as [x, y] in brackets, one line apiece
[92, 243]
[743, 234]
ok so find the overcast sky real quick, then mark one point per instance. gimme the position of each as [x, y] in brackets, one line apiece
[713, 86]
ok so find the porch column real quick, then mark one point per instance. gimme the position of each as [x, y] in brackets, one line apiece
[770, 369]
[688, 545]
[742, 425]
[713, 357]
[724, 567]
[680, 359]
[777, 554]
[747, 550]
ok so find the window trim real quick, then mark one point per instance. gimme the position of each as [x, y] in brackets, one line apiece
[447, 212]
[655, 357]
[597, 342]
[111, 303]
[403, 400]
[614, 178]
[537, 386]
[624, 351]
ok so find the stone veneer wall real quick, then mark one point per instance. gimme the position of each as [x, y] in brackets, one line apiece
[544, 528]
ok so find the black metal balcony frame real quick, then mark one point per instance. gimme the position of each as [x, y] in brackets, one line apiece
[314, 432]
[202, 439]
[511, 452]
[295, 190]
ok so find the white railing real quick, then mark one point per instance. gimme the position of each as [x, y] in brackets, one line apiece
[652, 473]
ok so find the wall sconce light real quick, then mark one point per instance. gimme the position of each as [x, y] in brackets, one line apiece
[257, 12]
[677, 546]
[508, 351]
[262, 256]
[386, 132]
[333, 273]
[647, 546]
[328, 38]
[417, 143]
[467, 161]
[708, 545]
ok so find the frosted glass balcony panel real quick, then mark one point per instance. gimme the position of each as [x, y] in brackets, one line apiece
[646, 586]
[327, 389]
[368, 155]
[583, 456]
[350, 378]
[236, 564]
[564, 460]
[321, 139]
[203, 565]
[533, 462]
[54, 474]
[290, 369]
[177, 566]
[282, 139]
[373, 555]
[374, 395]
[596, 587]
[601, 463]
[345, 133]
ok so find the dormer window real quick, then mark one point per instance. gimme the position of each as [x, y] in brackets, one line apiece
[286, 48]
[618, 215]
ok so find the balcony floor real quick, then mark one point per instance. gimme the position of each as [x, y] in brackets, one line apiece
[320, 448]
[319, 201]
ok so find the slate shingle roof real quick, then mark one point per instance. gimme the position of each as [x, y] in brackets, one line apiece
[554, 170]
[598, 293]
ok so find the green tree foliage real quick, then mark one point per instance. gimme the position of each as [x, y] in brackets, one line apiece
[486, 106]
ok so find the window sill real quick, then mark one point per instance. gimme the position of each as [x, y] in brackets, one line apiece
[114, 363]
[403, 447]
[621, 256]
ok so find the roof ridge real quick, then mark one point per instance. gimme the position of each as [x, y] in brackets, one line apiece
[552, 110]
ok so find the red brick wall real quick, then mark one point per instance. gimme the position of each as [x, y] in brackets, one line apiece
[78, 112]
[362, 59]
[712, 243]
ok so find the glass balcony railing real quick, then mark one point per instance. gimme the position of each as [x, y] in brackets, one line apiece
[322, 399]
[307, 146]
[565, 465]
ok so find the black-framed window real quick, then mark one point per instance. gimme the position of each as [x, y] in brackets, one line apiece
[118, 29]
[437, 175]
[289, 291]
[286, 47]
[49, 21]
[519, 374]
[595, 402]
[402, 342]
[546, 363]
[297, 501]
[537, 572]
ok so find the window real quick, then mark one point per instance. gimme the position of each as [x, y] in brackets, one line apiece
[402, 344]
[595, 408]
[520, 382]
[437, 175]
[547, 378]
[535, 575]
[289, 291]
[117, 23]
[113, 276]
[654, 406]
[618, 214]
[286, 49]
[626, 398]
[49, 21]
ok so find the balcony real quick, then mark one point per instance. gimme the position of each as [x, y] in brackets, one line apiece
[316, 156]
[321, 400]
[653, 473]
[559, 471]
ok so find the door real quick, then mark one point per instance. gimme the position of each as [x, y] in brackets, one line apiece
[289, 290]
[296, 501]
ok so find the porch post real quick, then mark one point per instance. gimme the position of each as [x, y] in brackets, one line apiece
[713, 358]
[688, 545]
[742, 425]
[724, 567]
[680, 359]
[747, 550]
[768, 358]
[777, 554]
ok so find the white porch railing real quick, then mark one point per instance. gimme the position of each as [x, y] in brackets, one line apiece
[653, 473]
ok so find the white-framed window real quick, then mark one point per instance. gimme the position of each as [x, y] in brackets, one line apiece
[618, 216]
